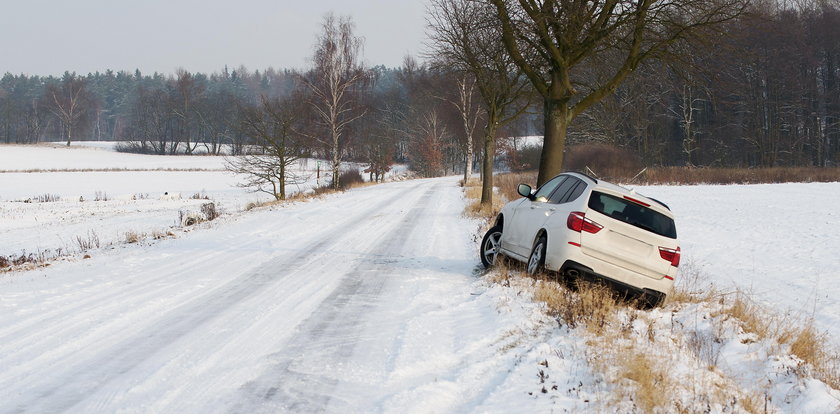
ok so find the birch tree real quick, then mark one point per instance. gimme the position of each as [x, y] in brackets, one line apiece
[335, 78]
[469, 113]
[464, 36]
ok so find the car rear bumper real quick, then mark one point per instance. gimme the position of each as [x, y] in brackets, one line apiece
[648, 297]
[559, 254]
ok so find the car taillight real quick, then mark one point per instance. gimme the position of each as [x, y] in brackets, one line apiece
[670, 255]
[578, 222]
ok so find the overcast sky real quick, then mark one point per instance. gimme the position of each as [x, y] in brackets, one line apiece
[48, 37]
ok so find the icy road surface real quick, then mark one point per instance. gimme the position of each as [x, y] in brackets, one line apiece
[355, 303]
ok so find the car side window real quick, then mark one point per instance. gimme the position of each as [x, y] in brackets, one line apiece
[576, 192]
[545, 191]
[561, 194]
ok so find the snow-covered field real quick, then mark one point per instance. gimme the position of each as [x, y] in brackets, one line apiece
[98, 156]
[368, 301]
[104, 194]
[780, 243]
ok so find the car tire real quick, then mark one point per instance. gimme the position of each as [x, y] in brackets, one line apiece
[490, 246]
[536, 262]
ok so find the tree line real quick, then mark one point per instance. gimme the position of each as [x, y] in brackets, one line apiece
[764, 92]
[387, 115]
[713, 83]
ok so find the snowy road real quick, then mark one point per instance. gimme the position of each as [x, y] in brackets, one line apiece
[360, 302]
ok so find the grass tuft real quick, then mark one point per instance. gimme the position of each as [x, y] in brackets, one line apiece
[591, 306]
[88, 242]
[133, 237]
[472, 191]
[648, 380]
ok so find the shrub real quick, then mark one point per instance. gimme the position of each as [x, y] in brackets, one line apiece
[134, 147]
[349, 179]
[44, 198]
[132, 237]
[526, 158]
[189, 218]
[19, 260]
[686, 175]
[507, 183]
[607, 161]
[209, 210]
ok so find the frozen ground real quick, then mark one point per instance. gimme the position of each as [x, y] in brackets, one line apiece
[106, 194]
[96, 155]
[777, 242]
[369, 301]
[363, 302]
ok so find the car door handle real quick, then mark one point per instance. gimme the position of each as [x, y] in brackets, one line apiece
[533, 207]
[552, 209]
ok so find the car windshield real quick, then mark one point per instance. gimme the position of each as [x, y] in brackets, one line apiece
[632, 213]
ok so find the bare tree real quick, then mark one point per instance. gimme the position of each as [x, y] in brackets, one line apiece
[468, 110]
[691, 95]
[428, 140]
[465, 36]
[379, 141]
[552, 40]
[188, 92]
[34, 118]
[149, 123]
[271, 123]
[218, 117]
[335, 77]
[70, 101]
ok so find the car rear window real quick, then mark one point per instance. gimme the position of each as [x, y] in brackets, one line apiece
[632, 213]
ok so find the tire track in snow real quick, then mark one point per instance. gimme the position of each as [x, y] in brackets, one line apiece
[85, 377]
[102, 298]
[293, 384]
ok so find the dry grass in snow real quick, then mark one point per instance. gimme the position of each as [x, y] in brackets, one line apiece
[697, 354]
[705, 350]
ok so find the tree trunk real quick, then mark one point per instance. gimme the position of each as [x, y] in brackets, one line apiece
[554, 142]
[336, 164]
[282, 178]
[69, 133]
[469, 156]
[487, 166]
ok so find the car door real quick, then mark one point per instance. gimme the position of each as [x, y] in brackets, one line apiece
[528, 217]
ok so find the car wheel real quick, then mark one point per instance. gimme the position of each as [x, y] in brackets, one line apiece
[490, 246]
[536, 263]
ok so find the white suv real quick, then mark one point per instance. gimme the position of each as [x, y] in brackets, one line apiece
[586, 228]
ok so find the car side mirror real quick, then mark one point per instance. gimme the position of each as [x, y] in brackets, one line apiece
[525, 191]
